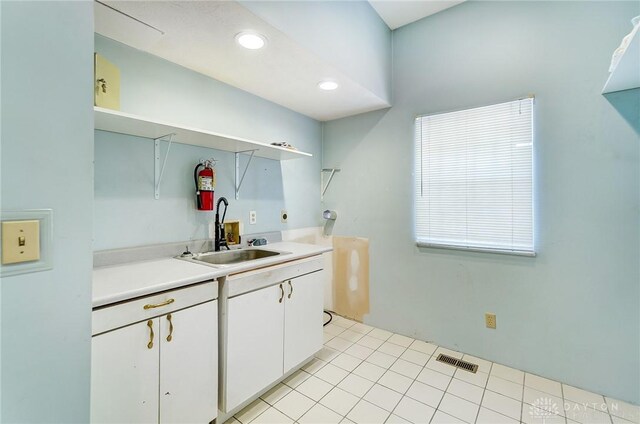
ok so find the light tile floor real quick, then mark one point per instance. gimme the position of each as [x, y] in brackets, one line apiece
[366, 375]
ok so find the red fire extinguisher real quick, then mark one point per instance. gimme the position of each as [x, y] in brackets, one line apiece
[205, 181]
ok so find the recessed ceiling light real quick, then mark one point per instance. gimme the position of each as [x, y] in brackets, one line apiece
[251, 40]
[327, 85]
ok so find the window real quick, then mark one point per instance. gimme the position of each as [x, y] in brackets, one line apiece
[474, 179]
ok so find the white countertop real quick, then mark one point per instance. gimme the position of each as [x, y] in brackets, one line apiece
[134, 279]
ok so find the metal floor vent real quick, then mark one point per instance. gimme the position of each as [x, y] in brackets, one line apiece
[467, 366]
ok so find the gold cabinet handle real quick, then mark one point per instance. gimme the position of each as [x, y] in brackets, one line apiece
[150, 325]
[158, 305]
[290, 289]
[281, 294]
[170, 337]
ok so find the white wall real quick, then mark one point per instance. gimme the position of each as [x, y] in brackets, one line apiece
[126, 212]
[47, 162]
[572, 313]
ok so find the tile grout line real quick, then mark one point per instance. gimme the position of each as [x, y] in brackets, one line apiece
[524, 379]
[423, 367]
[414, 380]
[522, 403]
[293, 389]
[282, 412]
[387, 369]
[345, 377]
[351, 372]
[445, 392]
[566, 419]
[486, 383]
[375, 382]
[461, 398]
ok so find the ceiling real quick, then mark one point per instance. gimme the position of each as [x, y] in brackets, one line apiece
[397, 13]
[200, 35]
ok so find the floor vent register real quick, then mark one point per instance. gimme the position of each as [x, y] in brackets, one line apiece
[458, 363]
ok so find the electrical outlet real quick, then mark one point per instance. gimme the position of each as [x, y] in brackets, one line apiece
[284, 216]
[490, 320]
[252, 217]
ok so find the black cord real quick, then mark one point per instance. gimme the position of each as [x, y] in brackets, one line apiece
[330, 318]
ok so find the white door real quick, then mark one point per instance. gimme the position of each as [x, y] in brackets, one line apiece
[303, 318]
[254, 343]
[124, 374]
[189, 365]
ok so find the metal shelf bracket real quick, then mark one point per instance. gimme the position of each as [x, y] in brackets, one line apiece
[240, 179]
[332, 172]
[159, 171]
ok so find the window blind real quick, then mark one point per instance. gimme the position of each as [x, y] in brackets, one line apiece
[474, 178]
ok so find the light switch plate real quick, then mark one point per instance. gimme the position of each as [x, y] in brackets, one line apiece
[20, 241]
[44, 226]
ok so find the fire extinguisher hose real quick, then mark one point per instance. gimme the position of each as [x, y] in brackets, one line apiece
[195, 178]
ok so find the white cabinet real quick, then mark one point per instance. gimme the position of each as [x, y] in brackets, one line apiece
[302, 319]
[162, 368]
[124, 386]
[255, 343]
[189, 365]
[269, 332]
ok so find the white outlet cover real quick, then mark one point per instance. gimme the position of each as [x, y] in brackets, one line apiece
[284, 216]
[252, 217]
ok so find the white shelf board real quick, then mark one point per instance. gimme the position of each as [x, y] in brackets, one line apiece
[626, 75]
[125, 123]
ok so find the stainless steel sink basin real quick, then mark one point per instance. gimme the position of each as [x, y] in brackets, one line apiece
[230, 257]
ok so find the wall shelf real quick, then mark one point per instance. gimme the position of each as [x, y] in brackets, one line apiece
[626, 74]
[125, 123]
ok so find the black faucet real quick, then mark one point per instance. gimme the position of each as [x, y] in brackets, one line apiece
[220, 239]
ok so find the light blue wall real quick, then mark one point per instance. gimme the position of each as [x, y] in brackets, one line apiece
[126, 213]
[47, 153]
[572, 313]
[0, 209]
[337, 32]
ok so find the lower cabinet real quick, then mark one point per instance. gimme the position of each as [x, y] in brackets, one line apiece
[270, 331]
[124, 375]
[255, 343]
[302, 319]
[163, 369]
[189, 366]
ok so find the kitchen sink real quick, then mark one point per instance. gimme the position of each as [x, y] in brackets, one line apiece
[231, 257]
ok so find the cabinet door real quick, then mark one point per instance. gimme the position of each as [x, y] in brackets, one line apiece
[254, 343]
[303, 319]
[189, 365]
[124, 375]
